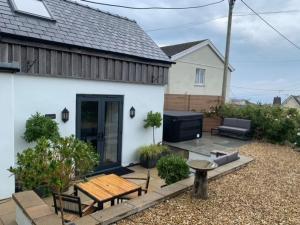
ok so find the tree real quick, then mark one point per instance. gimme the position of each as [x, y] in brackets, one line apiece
[153, 120]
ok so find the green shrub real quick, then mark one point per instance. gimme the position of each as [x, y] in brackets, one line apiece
[38, 126]
[273, 124]
[172, 168]
[53, 163]
[150, 152]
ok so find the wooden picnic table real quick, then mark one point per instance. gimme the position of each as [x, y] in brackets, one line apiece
[107, 188]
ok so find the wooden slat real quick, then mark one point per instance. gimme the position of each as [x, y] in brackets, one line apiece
[48, 62]
[138, 73]
[35, 65]
[53, 69]
[118, 70]
[102, 69]
[125, 71]
[10, 53]
[3, 52]
[144, 74]
[42, 61]
[131, 74]
[115, 184]
[31, 60]
[110, 69]
[94, 67]
[94, 190]
[23, 59]
[16, 53]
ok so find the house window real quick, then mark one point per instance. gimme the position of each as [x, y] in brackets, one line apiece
[200, 77]
[32, 7]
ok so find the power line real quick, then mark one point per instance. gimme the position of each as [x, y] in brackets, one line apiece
[223, 17]
[184, 25]
[269, 12]
[153, 7]
[271, 26]
[262, 89]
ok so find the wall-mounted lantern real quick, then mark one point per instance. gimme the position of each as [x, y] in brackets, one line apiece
[132, 112]
[65, 115]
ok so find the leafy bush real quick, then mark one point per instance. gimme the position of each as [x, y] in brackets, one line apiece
[150, 152]
[273, 124]
[172, 168]
[54, 163]
[38, 126]
[153, 120]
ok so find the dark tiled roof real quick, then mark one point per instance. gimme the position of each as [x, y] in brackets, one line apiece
[83, 26]
[175, 49]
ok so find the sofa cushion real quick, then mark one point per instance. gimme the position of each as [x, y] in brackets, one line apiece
[240, 123]
[233, 129]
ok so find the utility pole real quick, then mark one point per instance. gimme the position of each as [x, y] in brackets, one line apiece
[228, 39]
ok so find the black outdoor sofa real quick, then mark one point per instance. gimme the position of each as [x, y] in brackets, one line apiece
[236, 128]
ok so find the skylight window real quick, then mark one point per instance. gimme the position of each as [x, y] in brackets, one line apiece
[32, 7]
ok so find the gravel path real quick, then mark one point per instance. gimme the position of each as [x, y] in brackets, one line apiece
[265, 192]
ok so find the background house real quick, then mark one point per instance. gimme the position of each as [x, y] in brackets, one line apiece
[195, 81]
[292, 101]
[95, 64]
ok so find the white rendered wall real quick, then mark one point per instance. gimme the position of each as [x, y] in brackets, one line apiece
[7, 185]
[182, 74]
[52, 95]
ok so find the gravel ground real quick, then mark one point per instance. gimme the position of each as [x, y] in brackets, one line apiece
[267, 191]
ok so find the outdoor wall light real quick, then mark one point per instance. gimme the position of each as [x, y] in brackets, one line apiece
[132, 112]
[65, 115]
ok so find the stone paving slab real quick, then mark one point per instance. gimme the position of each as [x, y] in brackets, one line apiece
[115, 213]
[145, 201]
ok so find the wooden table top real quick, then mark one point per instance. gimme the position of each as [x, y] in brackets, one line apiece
[107, 187]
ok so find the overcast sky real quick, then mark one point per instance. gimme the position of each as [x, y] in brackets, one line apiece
[262, 59]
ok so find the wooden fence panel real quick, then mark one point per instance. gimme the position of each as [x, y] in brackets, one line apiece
[197, 103]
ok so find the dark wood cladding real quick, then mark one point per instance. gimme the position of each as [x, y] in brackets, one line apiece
[41, 61]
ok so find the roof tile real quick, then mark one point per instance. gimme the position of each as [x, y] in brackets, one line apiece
[83, 26]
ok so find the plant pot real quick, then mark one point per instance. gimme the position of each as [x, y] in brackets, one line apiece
[148, 163]
[42, 191]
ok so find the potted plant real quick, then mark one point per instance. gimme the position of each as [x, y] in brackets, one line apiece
[153, 120]
[38, 126]
[150, 154]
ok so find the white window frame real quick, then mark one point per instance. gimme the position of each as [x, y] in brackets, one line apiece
[16, 9]
[198, 81]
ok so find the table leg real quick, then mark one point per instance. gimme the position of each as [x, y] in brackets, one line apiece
[200, 185]
[100, 205]
[75, 191]
[140, 192]
[112, 202]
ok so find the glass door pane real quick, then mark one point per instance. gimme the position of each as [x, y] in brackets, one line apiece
[111, 132]
[89, 122]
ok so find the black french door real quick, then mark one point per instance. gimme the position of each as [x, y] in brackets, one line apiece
[99, 120]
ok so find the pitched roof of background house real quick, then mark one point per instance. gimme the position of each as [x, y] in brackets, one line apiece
[171, 50]
[80, 25]
[295, 97]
